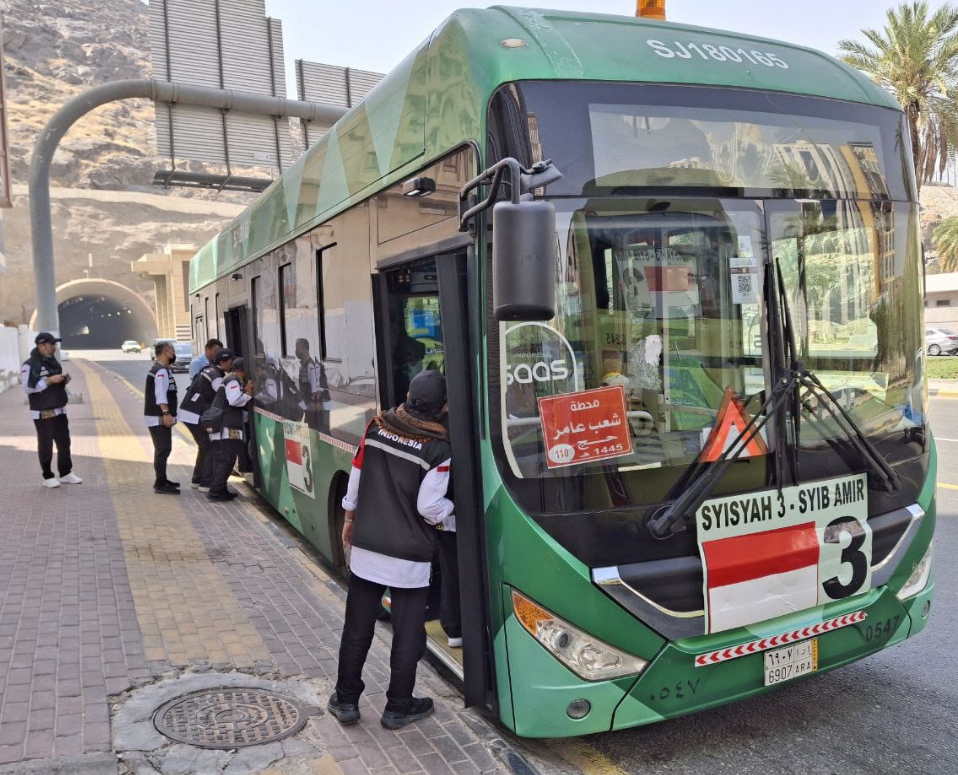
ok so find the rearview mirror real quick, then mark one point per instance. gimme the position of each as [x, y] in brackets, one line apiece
[524, 260]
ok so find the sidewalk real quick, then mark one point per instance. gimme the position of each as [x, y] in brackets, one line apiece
[114, 600]
[943, 388]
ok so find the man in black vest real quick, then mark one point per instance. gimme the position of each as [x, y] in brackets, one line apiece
[197, 400]
[159, 411]
[228, 443]
[395, 502]
[45, 383]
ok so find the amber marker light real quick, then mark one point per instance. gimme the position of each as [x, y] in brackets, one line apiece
[586, 656]
[650, 9]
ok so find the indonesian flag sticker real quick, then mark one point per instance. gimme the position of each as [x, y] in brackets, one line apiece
[760, 576]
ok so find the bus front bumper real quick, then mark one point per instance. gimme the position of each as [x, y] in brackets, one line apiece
[675, 684]
[543, 691]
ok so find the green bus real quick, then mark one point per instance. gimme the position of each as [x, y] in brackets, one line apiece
[674, 279]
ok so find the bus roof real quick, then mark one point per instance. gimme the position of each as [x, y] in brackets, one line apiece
[435, 100]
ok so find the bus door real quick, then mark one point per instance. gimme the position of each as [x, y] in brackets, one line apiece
[235, 320]
[427, 319]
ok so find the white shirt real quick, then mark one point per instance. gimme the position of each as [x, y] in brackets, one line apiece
[192, 418]
[161, 384]
[40, 387]
[235, 396]
[435, 509]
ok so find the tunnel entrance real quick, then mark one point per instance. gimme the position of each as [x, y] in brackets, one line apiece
[102, 314]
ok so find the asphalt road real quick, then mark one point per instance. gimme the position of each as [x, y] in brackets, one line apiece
[891, 713]
[131, 366]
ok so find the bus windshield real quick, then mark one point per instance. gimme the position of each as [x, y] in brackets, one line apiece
[662, 249]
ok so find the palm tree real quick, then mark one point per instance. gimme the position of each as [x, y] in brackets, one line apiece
[916, 58]
[946, 237]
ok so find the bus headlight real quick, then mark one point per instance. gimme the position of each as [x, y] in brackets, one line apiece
[918, 578]
[586, 656]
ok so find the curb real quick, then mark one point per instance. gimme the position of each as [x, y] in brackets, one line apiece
[938, 393]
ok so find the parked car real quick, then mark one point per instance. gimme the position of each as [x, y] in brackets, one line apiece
[941, 340]
[184, 354]
[129, 346]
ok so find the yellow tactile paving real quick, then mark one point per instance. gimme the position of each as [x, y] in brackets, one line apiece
[185, 609]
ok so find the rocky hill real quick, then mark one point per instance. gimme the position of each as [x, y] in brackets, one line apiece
[56, 50]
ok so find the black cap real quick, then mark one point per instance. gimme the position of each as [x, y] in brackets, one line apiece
[427, 392]
[238, 364]
[45, 338]
[223, 355]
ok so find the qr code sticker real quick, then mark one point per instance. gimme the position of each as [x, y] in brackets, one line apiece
[744, 290]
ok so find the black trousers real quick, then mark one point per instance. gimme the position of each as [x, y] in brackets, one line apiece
[56, 430]
[225, 452]
[409, 639]
[205, 456]
[162, 446]
[450, 616]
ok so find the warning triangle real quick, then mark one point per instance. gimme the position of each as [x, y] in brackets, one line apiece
[731, 415]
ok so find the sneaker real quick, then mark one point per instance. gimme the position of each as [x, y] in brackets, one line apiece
[345, 712]
[51, 482]
[173, 484]
[195, 485]
[455, 643]
[166, 488]
[202, 488]
[71, 478]
[413, 709]
[221, 496]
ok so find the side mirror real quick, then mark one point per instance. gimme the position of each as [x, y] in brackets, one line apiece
[523, 238]
[524, 260]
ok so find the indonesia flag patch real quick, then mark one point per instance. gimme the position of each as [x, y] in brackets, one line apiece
[761, 576]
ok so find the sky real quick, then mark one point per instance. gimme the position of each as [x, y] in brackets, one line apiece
[377, 34]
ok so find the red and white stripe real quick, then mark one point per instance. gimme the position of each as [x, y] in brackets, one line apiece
[757, 646]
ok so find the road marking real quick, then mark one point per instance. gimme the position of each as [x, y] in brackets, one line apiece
[939, 439]
[585, 757]
[948, 486]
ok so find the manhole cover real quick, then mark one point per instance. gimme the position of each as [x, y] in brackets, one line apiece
[229, 718]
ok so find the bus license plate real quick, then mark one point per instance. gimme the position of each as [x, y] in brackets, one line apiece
[791, 662]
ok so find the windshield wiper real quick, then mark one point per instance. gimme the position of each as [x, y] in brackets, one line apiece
[874, 462]
[674, 518]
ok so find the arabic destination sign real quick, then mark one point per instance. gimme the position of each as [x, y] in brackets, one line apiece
[585, 427]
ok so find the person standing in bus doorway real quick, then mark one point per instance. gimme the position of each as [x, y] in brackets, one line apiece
[205, 358]
[395, 502]
[199, 396]
[228, 442]
[313, 392]
[45, 383]
[159, 412]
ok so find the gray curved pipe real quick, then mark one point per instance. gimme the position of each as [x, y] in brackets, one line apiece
[44, 272]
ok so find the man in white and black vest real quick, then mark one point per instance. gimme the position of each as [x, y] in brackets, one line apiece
[395, 503]
[45, 383]
[228, 442]
[197, 400]
[159, 412]
[313, 393]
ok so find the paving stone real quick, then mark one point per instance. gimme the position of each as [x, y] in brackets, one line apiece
[102, 593]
